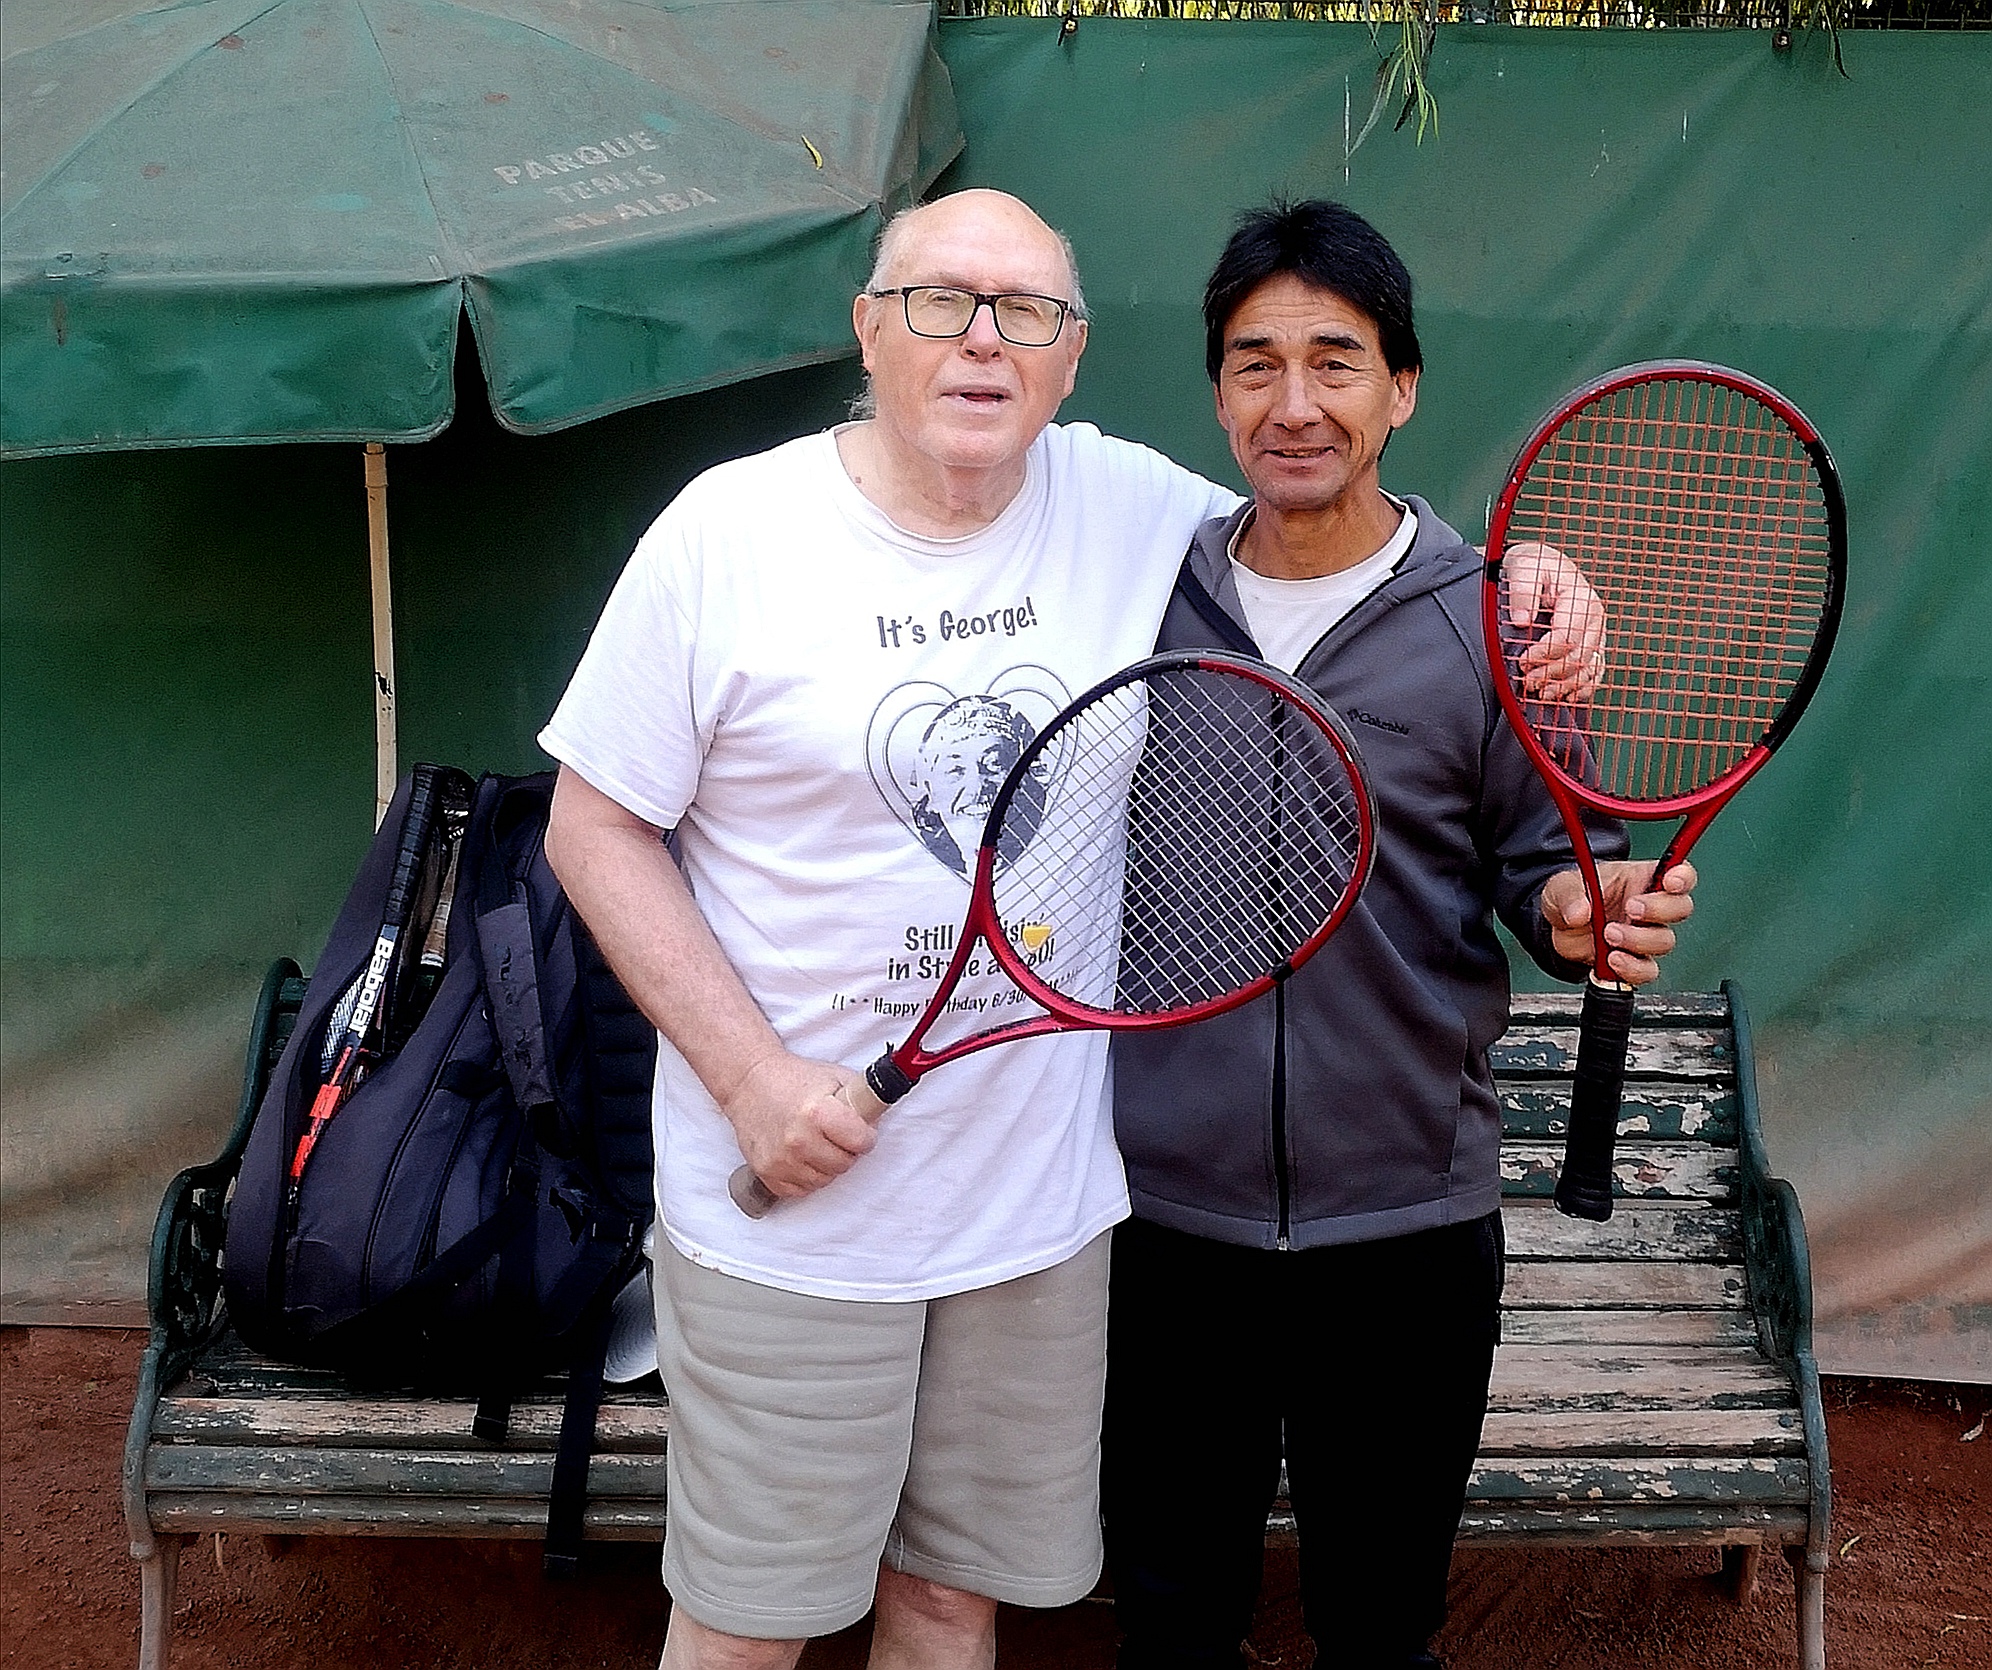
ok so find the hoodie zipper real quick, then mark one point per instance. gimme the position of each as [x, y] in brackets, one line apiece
[1281, 1179]
[1233, 636]
[1360, 615]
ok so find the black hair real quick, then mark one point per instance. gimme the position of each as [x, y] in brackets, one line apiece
[1329, 246]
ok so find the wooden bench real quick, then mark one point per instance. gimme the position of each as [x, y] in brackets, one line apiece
[1655, 1383]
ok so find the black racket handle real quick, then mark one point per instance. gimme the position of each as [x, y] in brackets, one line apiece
[1584, 1186]
[414, 846]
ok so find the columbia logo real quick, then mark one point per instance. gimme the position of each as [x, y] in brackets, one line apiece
[1379, 721]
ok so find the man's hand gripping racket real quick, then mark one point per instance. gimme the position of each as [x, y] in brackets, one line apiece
[1705, 513]
[1182, 837]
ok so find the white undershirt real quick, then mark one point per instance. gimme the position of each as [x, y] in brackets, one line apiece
[1289, 617]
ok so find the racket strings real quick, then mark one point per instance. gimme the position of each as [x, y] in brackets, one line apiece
[1170, 957]
[1696, 514]
[1202, 831]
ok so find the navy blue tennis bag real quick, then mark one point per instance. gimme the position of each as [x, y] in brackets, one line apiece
[468, 1215]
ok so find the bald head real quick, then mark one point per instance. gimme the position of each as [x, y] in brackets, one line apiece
[979, 210]
[948, 419]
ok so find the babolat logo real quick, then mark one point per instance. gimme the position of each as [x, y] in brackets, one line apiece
[1377, 719]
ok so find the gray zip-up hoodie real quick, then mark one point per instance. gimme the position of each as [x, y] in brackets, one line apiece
[1355, 1102]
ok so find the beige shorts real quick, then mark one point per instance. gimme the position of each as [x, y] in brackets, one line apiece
[954, 1439]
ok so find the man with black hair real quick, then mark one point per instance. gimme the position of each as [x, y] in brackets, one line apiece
[1314, 1266]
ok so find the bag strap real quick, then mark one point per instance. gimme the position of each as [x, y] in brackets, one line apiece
[593, 1279]
[494, 1415]
[510, 961]
[511, 984]
[590, 1285]
[568, 1500]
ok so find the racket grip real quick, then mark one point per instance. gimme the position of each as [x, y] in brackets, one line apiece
[750, 1194]
[414, 845]
[861, 1095]
[862, 1099]
[1584, 1187]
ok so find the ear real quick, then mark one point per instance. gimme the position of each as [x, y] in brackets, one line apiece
[1078, 329]
[1405, 401]
[866, 319]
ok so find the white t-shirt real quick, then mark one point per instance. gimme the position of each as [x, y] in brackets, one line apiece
[823, 704]
[1289, 617]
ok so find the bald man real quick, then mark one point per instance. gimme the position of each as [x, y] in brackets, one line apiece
[889, 1388]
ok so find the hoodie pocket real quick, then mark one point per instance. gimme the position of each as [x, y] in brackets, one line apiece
[1193, 1114]
[1375, 1062]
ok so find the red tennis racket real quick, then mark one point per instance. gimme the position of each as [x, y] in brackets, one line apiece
[1706, 514]
[1181, 838]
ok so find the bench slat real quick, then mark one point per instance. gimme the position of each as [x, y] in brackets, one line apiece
[1603, 1284]
[1643, 1432]
[1573, 1525]
[1636, 1230]
[229, 1368]
[1652, 1008]
[1636, 1358]
[388, 1516]
[1674, 1479]
[379, 1421]
[1587, 1380]
[215, 1375]
[246, 1470]
[1613, 1524]
[1628, 1327]
[1701, 1054]
[1684, 1112]
[1640, 1170]
[1574, 1376]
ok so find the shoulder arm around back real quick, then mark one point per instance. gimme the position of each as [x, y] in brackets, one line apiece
[1131, 467]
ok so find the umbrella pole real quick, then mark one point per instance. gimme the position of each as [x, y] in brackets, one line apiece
[386, 768]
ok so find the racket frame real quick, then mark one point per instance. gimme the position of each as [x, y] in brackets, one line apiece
[1608, 1002]
[1699, 806]
[901, 1066]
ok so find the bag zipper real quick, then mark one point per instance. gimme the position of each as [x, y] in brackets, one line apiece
[400, 1152]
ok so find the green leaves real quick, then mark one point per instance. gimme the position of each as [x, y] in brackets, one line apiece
[1404, 65]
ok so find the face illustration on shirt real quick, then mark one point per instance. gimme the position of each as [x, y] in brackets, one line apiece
[964, 756]
[939, 759]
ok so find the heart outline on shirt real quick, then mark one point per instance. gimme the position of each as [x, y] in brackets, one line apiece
[937, 759]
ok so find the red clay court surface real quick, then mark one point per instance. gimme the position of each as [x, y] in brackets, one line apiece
[1911, 1585]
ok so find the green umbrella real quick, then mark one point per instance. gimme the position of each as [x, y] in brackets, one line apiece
[260, 220]
[246, 220]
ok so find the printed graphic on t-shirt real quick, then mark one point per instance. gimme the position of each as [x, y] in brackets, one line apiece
[733, 689]
[938, 756]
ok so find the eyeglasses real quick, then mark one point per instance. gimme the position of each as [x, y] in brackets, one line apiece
[941, 311]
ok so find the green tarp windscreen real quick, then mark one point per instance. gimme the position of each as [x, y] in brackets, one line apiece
[184, 661]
